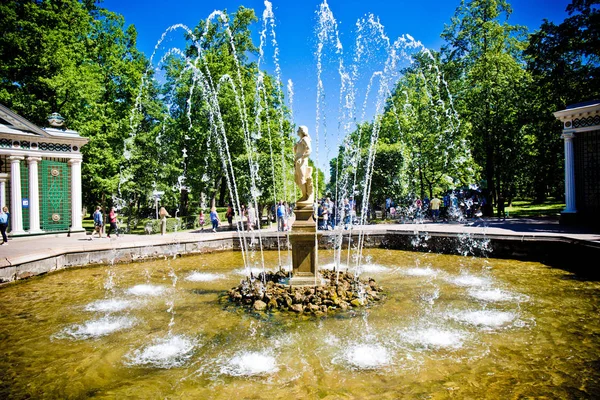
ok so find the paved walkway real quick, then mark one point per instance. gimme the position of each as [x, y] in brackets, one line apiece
[28, 249]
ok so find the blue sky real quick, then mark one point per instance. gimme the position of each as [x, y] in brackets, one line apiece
[295, 29]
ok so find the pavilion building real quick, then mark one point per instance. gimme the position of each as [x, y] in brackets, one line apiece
[581, 134]
[40, 175]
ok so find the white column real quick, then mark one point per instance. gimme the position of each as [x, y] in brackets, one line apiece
[2, 192]
[569, 173]
[76, 194]
[34, 195]
[16, 215]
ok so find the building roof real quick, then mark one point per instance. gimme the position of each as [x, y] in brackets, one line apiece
[18, 124]
[13, 123]
[583, 104]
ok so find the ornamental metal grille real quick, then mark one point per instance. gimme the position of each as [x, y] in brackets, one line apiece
[54, 147]
[7, 143]
[25, 195]
[587, 174]
[55, 204]
[584, 122]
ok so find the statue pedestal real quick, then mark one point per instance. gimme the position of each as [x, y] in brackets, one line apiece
[304, 238]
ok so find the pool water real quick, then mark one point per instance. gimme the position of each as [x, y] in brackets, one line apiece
[449, 327]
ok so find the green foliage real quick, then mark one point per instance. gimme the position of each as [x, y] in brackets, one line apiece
[218, 127]
[421, 117]
[81, 61]
[564, 61]
[485, 53]
[78, 60]
[229, 116]
[421, 148]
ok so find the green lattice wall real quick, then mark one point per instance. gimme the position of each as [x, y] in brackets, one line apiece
[25, 194]
[55, 200]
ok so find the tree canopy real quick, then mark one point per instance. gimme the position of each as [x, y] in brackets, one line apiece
[205, 125]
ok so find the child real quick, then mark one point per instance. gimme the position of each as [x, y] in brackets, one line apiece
[214, 219]
[201, 220]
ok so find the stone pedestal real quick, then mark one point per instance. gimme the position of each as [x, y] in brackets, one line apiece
[304, 238]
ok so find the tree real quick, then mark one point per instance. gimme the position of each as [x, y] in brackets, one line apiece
[226, 113]
[564, 61]
[421, 116]
[485, 53]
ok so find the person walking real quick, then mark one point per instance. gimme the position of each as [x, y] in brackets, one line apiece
[163, 213]
[435, 208]
[331, 209]
[252, 218]
[445, 207]
[281, 216]
[320, 216]
[418, 207]
[4, 218]
[347, 217]
[214, 218]
[112, 219]
[325, 215]
[229, 215]
[98, 222]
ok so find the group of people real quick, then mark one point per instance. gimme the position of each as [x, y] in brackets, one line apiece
[328, 216]
[430, 208]
[443, 208]
[98, 218]
[248, 212]
[214, 218]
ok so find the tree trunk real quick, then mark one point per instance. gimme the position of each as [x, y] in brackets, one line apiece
[223, 192]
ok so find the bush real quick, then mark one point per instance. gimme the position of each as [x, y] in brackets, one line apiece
[174, 224]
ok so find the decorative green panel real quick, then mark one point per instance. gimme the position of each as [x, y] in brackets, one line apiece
[25, 194]
[55, 201]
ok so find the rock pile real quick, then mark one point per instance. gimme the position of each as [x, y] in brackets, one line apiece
[268, 292]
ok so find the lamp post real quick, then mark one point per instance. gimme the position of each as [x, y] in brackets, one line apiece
[156, 194]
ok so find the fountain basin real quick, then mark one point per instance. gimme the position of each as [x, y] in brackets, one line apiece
[431, 335]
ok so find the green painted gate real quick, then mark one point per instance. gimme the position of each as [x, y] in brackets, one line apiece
[55, 201]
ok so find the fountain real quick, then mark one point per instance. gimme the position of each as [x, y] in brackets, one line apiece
[307, 290]
[304, 237]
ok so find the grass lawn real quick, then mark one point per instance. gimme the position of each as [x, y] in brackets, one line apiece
[88, 225]
[524, 208]
[521, 208]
